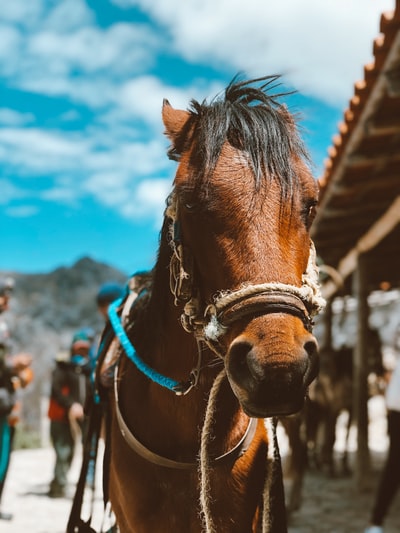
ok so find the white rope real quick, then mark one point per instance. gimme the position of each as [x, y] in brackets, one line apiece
[266, 514]
[204, 467]
[311, 282]
[309, 293]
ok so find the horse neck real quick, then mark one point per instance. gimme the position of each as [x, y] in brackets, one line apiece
[166, 342]
[173, 352]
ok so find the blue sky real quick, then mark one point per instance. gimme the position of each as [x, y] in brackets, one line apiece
[83, 166]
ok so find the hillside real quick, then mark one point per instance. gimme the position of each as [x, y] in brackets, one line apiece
[45, 312]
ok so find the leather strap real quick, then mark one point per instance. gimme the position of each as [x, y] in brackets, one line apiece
[231, 455]
[265, 303]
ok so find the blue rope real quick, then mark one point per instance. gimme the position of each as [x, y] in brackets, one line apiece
[130, 351]
[5, 446]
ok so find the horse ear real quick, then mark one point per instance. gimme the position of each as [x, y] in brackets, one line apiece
[174, 120]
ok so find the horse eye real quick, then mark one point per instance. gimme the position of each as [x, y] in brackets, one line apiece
[310, 212]
[187, 200]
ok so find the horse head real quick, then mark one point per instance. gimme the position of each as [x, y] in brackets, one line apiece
[243, 263]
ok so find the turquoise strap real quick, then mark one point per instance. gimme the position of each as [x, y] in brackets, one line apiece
[5, 446]
[130, 351]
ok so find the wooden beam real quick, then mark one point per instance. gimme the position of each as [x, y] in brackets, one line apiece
[378, 92]
[378, 130]
[354, 210]
[369, 240]
[364, 161]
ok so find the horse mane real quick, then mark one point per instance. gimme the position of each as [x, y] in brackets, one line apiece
[251, 120]
[154, 300]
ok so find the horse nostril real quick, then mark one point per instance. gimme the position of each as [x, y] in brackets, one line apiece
[311, 348]
[244, 362]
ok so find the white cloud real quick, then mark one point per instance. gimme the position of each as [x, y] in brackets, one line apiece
[67, 15]
[72, 166]
[10, 42]
[150, 197]
[142, 97]
[140, 200]
[35, 150]
[320, 47]
[121, 48]
[118, 179]
[22, 12]
[10, 117]
[118, 159]
[95, 92]
[62, 52]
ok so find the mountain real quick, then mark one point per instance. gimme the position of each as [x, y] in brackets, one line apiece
[45, 311]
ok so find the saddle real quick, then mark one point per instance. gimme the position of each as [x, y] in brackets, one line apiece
[97, 407]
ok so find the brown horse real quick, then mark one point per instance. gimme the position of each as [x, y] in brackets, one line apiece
[189, 448]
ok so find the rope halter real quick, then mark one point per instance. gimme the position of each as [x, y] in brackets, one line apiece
[211, 323]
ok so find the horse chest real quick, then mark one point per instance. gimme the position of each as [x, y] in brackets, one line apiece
[163, 500]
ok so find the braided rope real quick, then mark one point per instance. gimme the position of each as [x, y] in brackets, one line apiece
[309, 293]
[204, 465]
[271, 456]
[180, 274]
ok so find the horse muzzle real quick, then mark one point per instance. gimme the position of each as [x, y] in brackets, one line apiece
[271, 364]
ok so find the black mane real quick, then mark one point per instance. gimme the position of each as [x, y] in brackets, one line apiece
[251, 120]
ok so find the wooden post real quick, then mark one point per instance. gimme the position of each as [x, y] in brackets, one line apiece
[360, 374]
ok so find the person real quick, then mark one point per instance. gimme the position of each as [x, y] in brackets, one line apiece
[108, 293]
[70, 382]
[390, 477]
[14, 373]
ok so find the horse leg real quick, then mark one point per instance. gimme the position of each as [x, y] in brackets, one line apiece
[345, 459]
[298, 459]
[312, 418]
[329, 439]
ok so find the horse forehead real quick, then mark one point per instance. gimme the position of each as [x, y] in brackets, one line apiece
[233, 175]
[232, 156]
[230, 160]
[232, 169]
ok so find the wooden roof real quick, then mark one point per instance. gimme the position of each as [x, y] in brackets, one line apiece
[360, 188]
